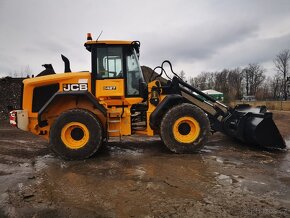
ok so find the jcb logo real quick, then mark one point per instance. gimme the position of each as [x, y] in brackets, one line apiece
[75, 87]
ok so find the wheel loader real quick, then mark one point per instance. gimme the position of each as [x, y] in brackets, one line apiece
[78, 111]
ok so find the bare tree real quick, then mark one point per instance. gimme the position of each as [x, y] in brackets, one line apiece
[210, 80]
[264, 92]
[229, 82]
[282, 66]
[247, 76]
[200, 81]
[182, 75]
[234, 79]
[276, 86]
[221, 82]
[254, 75]
[26, 72]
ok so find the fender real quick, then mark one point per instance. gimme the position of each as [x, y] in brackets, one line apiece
[57, 95]
[167, 103]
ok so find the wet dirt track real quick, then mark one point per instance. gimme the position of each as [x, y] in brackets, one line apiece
[139, 177]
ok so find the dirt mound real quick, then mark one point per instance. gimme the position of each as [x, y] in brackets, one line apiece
[10, 95]
[149, 75]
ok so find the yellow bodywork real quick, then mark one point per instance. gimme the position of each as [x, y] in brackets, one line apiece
[113, 100]
[30, 84]
[109, 92]
[58, 107]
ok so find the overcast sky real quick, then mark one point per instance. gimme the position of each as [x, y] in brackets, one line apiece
[196, 36]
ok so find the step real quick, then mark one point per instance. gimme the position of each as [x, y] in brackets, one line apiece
[114, 121]
[116, 118]
[119, 113]
[113, 130]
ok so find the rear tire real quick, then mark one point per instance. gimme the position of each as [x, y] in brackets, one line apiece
[76, 134]
[184, 128]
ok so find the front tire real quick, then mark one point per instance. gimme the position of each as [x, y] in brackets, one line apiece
[76, 134]
[184, 128]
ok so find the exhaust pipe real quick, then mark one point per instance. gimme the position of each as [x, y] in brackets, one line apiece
[66, 64]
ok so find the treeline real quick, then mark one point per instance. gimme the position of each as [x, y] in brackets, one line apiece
[248, 81]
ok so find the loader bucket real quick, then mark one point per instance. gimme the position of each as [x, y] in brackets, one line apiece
[254, 126]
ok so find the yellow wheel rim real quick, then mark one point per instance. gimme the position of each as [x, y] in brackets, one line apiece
[186, 130]
[75, 135]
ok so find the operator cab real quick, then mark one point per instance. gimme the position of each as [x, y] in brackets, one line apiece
[116, 62]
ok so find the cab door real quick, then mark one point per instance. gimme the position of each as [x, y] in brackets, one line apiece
[109, 72]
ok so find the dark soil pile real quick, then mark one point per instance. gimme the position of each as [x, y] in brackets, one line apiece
[10, 95]
[149, 75]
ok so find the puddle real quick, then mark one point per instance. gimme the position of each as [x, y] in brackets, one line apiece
[224, 180]
[219, 160]
[15, 141]
[115, 150]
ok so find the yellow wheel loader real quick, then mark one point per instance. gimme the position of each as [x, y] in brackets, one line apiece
[78, 111]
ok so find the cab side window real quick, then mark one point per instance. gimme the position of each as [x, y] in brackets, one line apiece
[134, 73]
[109, 62]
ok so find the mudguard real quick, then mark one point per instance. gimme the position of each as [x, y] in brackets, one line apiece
[167, 103]
[85, 94]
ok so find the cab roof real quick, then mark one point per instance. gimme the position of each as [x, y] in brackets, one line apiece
[109, 42]
[135, 44]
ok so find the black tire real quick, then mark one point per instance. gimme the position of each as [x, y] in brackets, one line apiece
[171, 121]
[83, 128]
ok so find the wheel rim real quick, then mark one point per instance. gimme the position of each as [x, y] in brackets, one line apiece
[186, 130]
[75, 135]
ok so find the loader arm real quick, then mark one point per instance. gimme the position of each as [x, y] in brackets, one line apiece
[253, 126]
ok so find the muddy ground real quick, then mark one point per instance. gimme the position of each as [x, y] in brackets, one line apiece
[139, 177]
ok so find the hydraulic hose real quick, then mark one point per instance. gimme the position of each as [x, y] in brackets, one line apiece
[163, 70]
